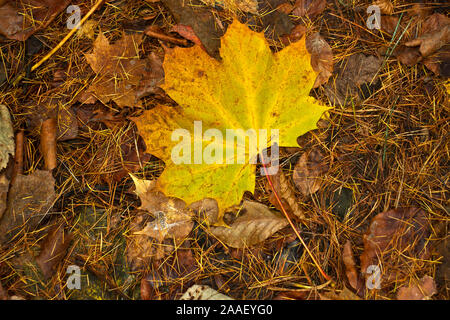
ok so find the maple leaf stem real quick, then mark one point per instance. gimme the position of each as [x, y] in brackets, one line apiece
[327, 277]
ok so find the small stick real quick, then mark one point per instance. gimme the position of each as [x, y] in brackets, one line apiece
[163, 37]
[48, 143]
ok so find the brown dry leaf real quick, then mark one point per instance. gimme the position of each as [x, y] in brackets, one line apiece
[432, 46]
[141, 249]
[53, 249]
[321, 58]
[201, 20]
[435, 33]
[308, 172]
[29, 200]
[408, 56]
[6, 137]
[350, 267]
[386, 6]
[254, 224]
[286, 193]
[235, 5]
[352, 74]
[392, 238]
[172, 218]
[20, 19]
[421, 291]
[344, 294]
[121, 76]
[309, 8]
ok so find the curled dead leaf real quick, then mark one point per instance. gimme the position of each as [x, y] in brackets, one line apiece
[254, 224]
[308, 172]
[321, 58]
[282, 189]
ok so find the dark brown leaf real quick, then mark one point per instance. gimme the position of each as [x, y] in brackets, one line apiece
[29, 200]
[308, 172]
[309, 8]
[20, 19]
[392, 237]
[53, 249]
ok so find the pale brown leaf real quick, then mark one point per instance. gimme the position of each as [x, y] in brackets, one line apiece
[421, 291]
[254, 224]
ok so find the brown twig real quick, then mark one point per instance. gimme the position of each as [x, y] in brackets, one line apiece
[151, 31]
[48, 143]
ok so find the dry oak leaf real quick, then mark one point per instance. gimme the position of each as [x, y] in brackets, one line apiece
[254, 224]
[121, 76]
[251, 88]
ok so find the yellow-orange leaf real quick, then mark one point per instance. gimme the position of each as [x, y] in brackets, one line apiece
[250, 88]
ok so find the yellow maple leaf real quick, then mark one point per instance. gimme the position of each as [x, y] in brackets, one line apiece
[250, 88]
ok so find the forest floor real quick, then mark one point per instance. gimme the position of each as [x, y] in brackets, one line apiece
[373, 179]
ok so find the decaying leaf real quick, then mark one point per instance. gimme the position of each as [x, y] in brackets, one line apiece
[354, 73]
[200, 19]
[120, 75]
[308, 172]
[172, 217]
[309, 8]
[20, 19]
[350, 266]
[435, 34]
[392, 237]
[53, 249]
[321, 58]
[421, 291]
[6, 137]
[344, 294]
[251, 88]
[29, 200]
[254, 224]
[235, 5]
[282, 189]
[202, 292]
[431, 47]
